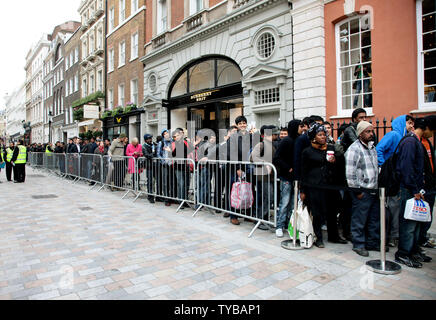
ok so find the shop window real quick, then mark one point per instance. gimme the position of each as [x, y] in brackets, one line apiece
[354, 67]
[181, 86]
[426, 15]
[266, 45]
[227, 73]
[201, 76]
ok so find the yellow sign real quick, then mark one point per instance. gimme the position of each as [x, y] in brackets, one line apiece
[118, 119]
[202, 96]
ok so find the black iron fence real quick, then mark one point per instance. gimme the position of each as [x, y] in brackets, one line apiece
[380, 128]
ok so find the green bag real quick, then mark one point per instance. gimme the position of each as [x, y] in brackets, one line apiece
[291, 229]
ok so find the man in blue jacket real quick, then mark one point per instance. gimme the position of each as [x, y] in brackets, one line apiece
[386, 147]
[410, 167]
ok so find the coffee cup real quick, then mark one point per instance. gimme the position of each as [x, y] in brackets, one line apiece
[330, 155]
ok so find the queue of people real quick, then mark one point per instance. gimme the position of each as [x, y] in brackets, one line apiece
[338, 180]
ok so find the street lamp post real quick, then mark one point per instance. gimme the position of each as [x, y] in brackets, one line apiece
[50, 118]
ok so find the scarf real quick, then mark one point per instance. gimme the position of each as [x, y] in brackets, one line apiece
[101, 149]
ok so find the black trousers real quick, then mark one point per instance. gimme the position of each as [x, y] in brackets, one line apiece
[20, 172]
[9, 171]
[119, 173]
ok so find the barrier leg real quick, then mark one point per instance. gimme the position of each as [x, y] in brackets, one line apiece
[198, 209]
[181, 205]
[382, 266]
[254, 229]
[292, 244]
[128, 191]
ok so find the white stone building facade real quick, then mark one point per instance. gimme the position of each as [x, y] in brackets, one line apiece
[15, 113]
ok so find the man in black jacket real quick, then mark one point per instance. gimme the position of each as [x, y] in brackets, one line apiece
[181, 148]
[350, 133]
[148, 153]
[283, 160]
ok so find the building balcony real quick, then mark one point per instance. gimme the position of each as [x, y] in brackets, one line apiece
[84, 63]
[91, 20]
[91, 56]
[159, 40]
[99, 51]
[240, 3]
[98, 13]
[84, 26]
[195, 21]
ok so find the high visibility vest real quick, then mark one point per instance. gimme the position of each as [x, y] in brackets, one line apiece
[22, 151]
[47, 151]
[9, 153]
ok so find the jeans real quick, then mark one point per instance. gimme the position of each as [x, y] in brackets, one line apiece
[182, 177]
[286, 204]
[393, 208]
[264, 196]
[425, 226]
[409, 229]
[365, 221]
[204, 185]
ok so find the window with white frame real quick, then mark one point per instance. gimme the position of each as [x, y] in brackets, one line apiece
[134, 7]
[426, 32]
[99, 39]
[67, 87]
[195, 6]
[91, 84]
[111, 60]
[122, 54]
[100, 80]
[122, 11]
[84, 88]
[121, 95]
[91, 44]
[266, 96]
[85, 50]
[67, 62]
[76, 82]
[71, 86]
[134, 91]
[111, 99]
[161, 16]
[76, 55]
[111, 19]
[134, 49]
[353, 63]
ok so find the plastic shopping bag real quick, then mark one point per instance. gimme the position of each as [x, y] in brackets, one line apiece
[304, 231]
[241, 196]
[417, 210]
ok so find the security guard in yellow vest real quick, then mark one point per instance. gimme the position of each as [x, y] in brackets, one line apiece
[49, 148]
[19, 159]
[8, 156]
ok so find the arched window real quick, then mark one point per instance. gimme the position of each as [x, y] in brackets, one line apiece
[205, 74]
[58, 54]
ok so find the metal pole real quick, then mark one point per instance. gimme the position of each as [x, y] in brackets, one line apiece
[382, 266]
[292, 244]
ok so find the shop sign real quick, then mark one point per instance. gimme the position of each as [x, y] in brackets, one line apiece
[91, 112]
[202, 96]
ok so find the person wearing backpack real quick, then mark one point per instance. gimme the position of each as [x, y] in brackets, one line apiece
[181, 148]
[410, 169]
[385, 148]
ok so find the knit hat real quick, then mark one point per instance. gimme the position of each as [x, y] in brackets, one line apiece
[163, 132]
[148, 136]
[314, 129]
[122, 136]
[362, 126]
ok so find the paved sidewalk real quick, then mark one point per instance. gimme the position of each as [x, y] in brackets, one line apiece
[93, 245]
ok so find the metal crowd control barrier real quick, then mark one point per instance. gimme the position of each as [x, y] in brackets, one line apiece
[119, 172]
[167, 178]
[91, 168]
[55, 163]
[36, 159]
[73, 166]
[217, 180]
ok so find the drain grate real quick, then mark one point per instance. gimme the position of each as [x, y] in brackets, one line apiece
[85, 208]
[45, 196]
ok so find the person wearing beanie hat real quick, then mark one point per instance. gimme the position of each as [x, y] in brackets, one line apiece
[163, 152]
[362, 172]
[320, 167]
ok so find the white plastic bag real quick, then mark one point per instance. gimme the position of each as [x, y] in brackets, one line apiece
[304, 226]
[417, 210]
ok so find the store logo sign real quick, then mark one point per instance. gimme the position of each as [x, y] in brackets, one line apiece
[118, 120]
[202, 96]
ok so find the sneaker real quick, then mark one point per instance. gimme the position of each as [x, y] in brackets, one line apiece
[151, 200]
[361, 252]
[408, 261]
[391, 244]
[429, 244]
[235, 221]
[279, 233]
[377, 249]
[324, 227]
[420, 257]
[226, 215]
[319, 243]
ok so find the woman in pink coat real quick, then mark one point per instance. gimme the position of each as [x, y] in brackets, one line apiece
[134, 150]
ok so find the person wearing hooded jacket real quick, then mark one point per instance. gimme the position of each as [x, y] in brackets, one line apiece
[148, 152]
[283, 160]
[163, 152]
[385, 148]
